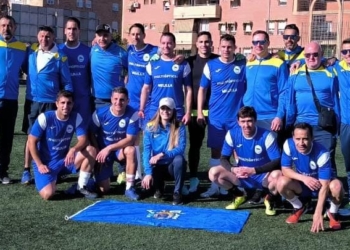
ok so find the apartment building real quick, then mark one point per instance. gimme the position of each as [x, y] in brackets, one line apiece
[328, 22]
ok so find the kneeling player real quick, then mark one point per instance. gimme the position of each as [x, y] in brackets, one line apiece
[116, 128]
[49, 142]
[312, 177]
[258, 160]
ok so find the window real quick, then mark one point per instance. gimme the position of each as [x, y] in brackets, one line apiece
[271, 27]
[247, 27]
[166, 5]
[232, 28]
[222, 28]
[88, 4]
[282, 2]
[204, 25]
[153, 1]
[281, 26]
[235, 3]
[80, 3]
[115, 26]
[145, 2]
[115, 7]
[153, 26]
[329, 26]
[50, 2]
[146, 26]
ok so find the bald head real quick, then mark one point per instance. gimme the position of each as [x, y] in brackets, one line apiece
[313, 55]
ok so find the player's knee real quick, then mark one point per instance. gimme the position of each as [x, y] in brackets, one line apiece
[46, 195]
[213, 174]
[335, 187]
[282, 183]
[129, 151]
[91, 151]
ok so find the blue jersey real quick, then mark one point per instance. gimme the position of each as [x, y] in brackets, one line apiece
[227, 84]
[137, 61]
[256, 151]
[343, 72]
[79, 67]
[107, 69]
[266, 85]
[56, 135]
[300, 103]
[316, 163]
[157, 141]
[289, 57]
[12, 56]
[167, 79]
[110, 128]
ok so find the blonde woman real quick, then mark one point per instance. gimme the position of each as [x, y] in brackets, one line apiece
[164, 145]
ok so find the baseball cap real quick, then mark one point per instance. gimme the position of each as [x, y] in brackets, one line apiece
[103, 27]
[167, 101]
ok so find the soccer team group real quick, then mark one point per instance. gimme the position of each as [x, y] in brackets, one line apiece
[277, 115]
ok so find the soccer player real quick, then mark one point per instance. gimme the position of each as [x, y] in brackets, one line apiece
[109, 61]
[258, 160]
[49, 144]
[164, 149]
[300, 103]
[78, 55]
[312, 177]
[197, 132]
[12, 56]
[48, 72]
[225, 76]
[165, 78]
[116, 127]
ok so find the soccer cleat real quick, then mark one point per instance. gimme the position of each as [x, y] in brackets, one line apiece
[131, 194]
[177, 199]
[334, 222]
[88, 194]
[257, 198]
[5, 180]
[270, 205]
[121, 178]
[194, 182]
[184, 191]
[158, 194]
[296, 214]
[26, 177]
[212, 191]
[239, 200]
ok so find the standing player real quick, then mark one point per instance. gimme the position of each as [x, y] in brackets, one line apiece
[225, 76]
[49, 142]
[116, 128]
[165, 78]
[258, 160]
[109, 61]
[312, 177]
[79, 65]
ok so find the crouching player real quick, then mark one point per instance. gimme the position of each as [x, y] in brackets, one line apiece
[311, 178]
[49, 142]
[116, 128]
[258, 161]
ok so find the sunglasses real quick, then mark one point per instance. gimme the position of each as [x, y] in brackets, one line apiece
[261, 42]
[308, 55]
[345, 51]
[291, 37]
[165, 108]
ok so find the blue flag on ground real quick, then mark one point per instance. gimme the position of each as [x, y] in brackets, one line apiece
[161, 215]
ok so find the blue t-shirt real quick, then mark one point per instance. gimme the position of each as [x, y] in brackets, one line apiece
[110, 128]
[256, 151]
[79, 67]
[167, 79]
[56, 135]
[343, 72]
[316, 163]
[107, 69]
[227, 83]
[137, 61]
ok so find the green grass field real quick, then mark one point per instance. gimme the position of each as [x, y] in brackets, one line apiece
[28, 222]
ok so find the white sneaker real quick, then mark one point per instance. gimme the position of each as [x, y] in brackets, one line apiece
[185, 191]
[223, 191]
[194, 182]
[212, 191]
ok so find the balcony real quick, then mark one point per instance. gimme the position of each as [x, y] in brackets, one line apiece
[199, 9]
[185, 39]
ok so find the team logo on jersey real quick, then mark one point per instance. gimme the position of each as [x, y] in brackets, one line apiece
[122, 123]
[313, 165]
[258, 149]
[146, 57]
[175, 67]
[164, 214]
[81, 58]
[69, 129]
[237, 70]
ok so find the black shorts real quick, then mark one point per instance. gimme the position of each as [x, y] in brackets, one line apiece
[36, 108]
[26, 112]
